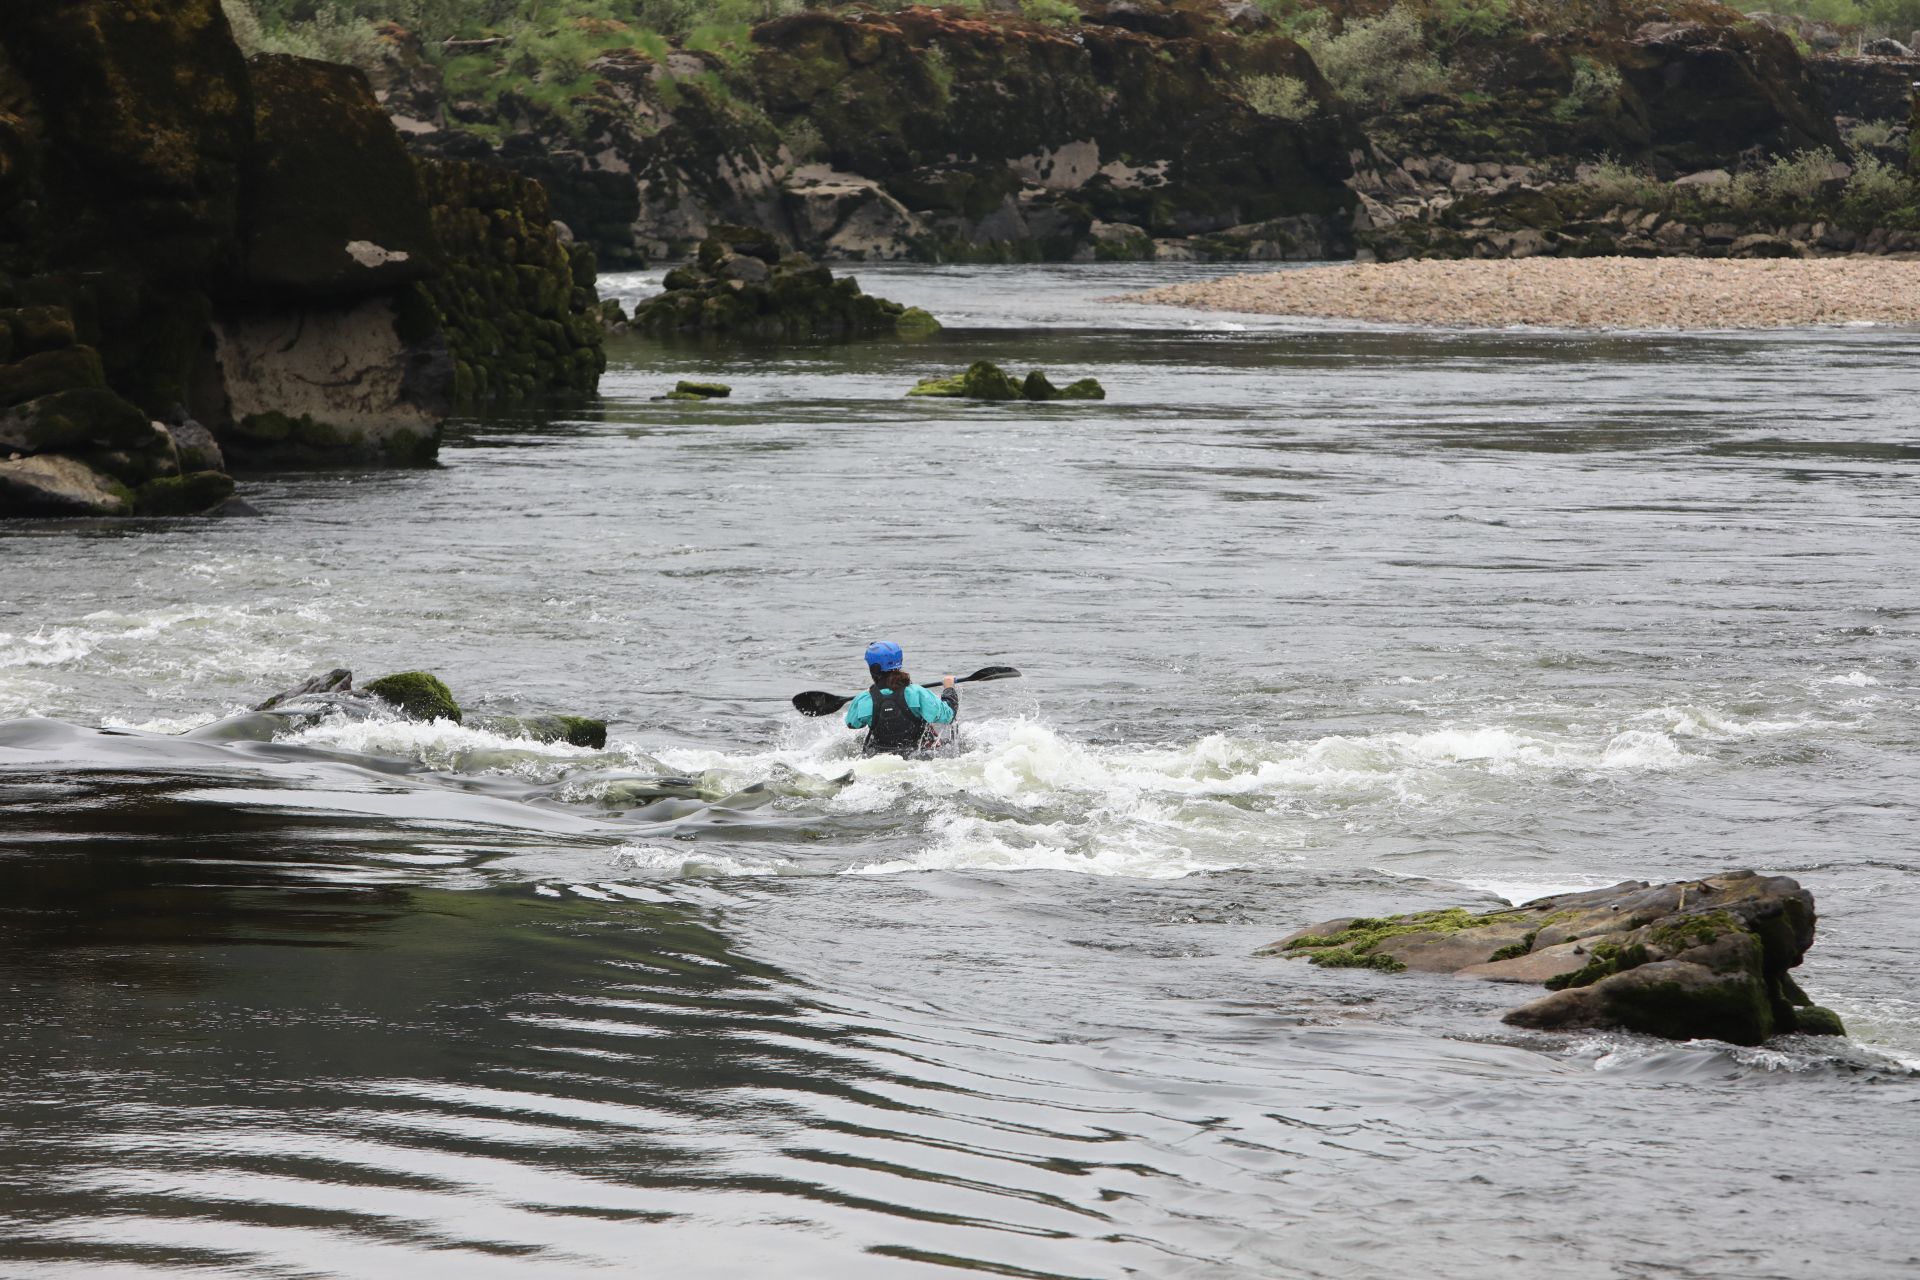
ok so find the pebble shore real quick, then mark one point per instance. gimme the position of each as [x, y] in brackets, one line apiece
[1580, 293]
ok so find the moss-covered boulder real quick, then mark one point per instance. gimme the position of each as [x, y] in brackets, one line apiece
[733, 289]
[984, 380]
[49, 371]
[1705, 958]
[416, 694]
[187, 495]
[70, 421]
[686, 389]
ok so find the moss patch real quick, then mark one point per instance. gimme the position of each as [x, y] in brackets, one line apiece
[416, 694]
[1354, 946]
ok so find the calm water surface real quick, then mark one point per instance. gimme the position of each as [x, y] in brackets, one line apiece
[1314, 621]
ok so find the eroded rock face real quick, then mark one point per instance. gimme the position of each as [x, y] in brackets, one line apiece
[926, 133]
[344, 370]
[1704, 958]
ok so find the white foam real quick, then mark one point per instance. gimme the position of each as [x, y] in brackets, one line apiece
[694, 862]
[1854, 679]
[444, 745]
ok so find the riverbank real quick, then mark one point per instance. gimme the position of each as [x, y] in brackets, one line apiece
[1585, 293]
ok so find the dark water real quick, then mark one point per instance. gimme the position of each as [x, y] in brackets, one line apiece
[1314, 621]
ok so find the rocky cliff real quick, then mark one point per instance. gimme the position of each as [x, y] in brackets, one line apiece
[926, 133]
[1169, 129]
[188, 237]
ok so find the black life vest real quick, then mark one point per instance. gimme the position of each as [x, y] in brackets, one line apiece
[896, 728]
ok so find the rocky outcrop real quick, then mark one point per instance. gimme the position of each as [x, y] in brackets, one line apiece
[208, 261]
[743, 283]
[1709, 214]
[984, 380]
[1695, 959]
[924, 133]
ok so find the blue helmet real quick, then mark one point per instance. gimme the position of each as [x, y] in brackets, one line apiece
[886, 655]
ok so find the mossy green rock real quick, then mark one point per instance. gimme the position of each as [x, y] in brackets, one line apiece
[50, 371]
[985, 380]
[701, 390]
[1705, 958]
[186, 495]
[579, 731]
[416, 694]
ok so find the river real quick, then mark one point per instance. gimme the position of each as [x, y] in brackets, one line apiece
[1314, 621]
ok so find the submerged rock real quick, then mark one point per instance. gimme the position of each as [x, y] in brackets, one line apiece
[985, 380]
[416, 694]
[579, 731]
[685, 390]
[1691, 959]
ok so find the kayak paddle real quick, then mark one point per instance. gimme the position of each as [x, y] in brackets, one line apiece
[815, 703]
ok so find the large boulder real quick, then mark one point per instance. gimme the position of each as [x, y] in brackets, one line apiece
[334, 207]
[53, 485]
[1705, 958]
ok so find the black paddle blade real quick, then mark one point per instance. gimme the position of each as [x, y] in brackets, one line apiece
[989, 673]
[816, 703]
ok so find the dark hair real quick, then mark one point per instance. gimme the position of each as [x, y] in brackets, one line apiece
[890, 679]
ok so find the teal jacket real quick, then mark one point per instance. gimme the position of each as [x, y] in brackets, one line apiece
[923, 701]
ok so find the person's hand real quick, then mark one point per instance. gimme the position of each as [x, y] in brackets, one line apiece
[947, 683]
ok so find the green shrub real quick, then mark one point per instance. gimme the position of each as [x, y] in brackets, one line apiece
[1873, 133]
[1056, 12]
[1798, 178]
[1618, 183]
[1595, 86]
[1282, 97]
[1378, 62]
[1456, 19]
[1874, 190]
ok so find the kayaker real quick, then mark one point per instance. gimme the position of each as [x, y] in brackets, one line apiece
[896, 712]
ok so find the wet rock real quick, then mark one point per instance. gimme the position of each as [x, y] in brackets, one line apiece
[187, 495]
[234, 508]
[337, 681]
[53, 485]
[1692, 959]
[685, 390]
[416, 694]
[796, 297]
[1885, 47]
[579, 731]
[984, 380]
[196, 448]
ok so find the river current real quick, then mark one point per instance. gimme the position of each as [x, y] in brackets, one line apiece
[1314, 621]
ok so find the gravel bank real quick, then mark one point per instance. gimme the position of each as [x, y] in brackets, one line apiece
[1584, 293]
